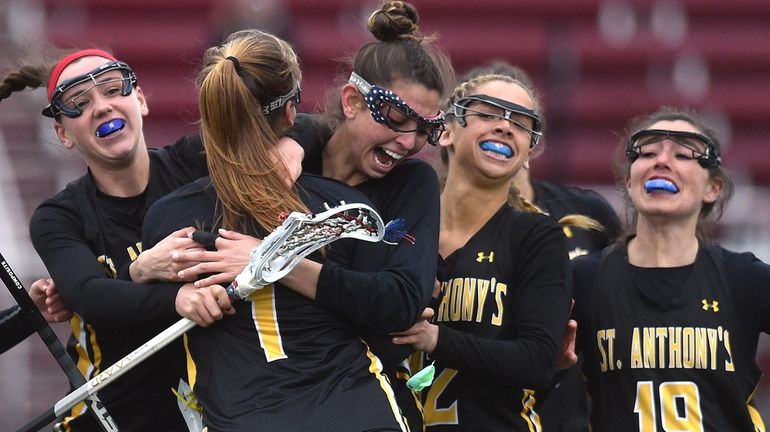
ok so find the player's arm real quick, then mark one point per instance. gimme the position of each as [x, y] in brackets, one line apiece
[393, 297]
[531, 357]
[84, 284]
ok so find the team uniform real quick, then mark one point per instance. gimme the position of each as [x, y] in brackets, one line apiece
[400, 281]
[283, 362]
[15, 326]
[87, 240]
[672, 348]
[566, 409]
[501, 314]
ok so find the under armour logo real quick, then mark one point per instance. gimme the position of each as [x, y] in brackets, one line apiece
[481, 257]
[714, 305]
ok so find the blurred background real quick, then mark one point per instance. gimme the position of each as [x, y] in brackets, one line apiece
[597, 64]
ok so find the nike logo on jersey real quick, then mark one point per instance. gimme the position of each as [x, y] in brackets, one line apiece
[480, 257]
[713, 306]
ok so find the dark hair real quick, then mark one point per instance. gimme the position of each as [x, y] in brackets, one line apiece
[710, 212]
[34, 75]
[400, 53]
[249, 70]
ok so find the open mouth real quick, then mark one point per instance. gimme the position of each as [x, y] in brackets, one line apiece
[386, 158]
[110, 127]
[496, 149]
[660, 185]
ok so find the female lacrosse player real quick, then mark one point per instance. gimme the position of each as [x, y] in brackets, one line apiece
[668, 320]
[281, 361]
[566, 408]
[504, 299]
[387, 110]
[88, 234]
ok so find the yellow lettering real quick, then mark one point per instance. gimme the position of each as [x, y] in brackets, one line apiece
[674, 347]
[649, 347]
[636, 355]
[688, 348]
[500, 290]
[469, 295]
[483, 286]
[456, 301]
[701, 348]
[729, 365]
[712, 335]
[661, 334]
[443, 307]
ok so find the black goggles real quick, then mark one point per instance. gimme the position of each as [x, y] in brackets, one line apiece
[702, 147]
[294, 94]
[492, 108]
[77, 100]
[384, 105]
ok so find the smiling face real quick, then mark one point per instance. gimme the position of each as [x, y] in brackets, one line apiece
[373, 149]
[667, 181]
[108, 132]
[488, 145]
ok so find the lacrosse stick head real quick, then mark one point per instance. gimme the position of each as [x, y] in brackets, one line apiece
[300, 235]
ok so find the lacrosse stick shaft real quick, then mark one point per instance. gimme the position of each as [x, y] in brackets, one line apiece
[110, 374]
[53, 344]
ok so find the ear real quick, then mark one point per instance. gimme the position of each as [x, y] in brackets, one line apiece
[290, 113]
[62, 135]
[713, 190]
[142, 101]
[352, 101]
[447, 137]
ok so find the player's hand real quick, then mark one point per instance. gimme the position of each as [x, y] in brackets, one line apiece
[157, 263]
[232, 255]
[205, 305]
[46, 298]
[568, 357]
[291, 154]
[422, 336]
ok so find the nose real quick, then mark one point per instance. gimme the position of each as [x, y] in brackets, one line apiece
[665, 155]
[504, 126]
[407, 140]
[101, 105]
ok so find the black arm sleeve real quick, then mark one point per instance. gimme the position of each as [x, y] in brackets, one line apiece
[528, 359]
[14, 328]
[750, 281]
[392, 295]
[83, 283]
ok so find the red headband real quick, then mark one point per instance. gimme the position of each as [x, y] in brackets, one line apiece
[63, 63]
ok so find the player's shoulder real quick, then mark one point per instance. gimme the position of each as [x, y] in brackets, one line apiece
[317, 190]
[188, 195]
[68, 198]
[570, 194]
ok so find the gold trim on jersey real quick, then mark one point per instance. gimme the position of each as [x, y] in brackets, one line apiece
[85, 336]
[375, 368]
[266, 323]
[756, 417]
[528, 413]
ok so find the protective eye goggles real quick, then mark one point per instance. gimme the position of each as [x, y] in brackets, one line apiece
[703, 149]
[492, 108]
[294, 94]
[72, 107]
[388, 109]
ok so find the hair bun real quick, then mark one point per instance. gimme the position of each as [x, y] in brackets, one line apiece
[394, 20]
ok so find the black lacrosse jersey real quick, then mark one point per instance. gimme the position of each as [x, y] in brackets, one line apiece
[282, 362]
[87, 240]
[501, 313]
[566, 409]
[672, 348]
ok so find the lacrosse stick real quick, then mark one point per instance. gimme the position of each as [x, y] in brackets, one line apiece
[299, 235]
[55, 346]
